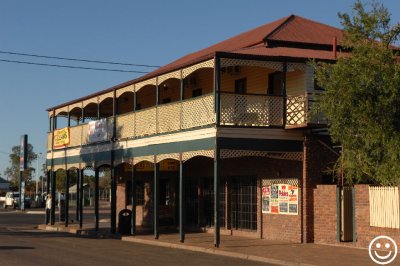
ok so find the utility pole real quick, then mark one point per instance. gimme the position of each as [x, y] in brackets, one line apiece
[37, 172]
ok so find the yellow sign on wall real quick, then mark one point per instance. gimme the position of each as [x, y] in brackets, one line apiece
[165, 166]
[61, 137]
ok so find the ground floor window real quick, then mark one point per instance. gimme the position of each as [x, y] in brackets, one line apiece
[243, 203]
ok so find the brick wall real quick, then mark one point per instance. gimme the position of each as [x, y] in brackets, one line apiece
[325, 214]
[366, 233]
[317, 158]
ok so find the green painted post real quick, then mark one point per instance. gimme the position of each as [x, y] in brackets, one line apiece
[339, 211]
[133, 201]
[216, 196]
[181, 203]
[78, 174]
[156, 199]
[96, 199]
[217, 89]
[81, 196]
[53, 198]
[113, 200]
[66, 198]
[353, 195]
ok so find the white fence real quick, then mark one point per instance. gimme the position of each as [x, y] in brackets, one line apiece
[384, 207]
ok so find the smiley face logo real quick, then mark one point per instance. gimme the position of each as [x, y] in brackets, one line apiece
[382, 250]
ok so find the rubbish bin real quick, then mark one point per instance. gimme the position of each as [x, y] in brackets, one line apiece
[124, 222]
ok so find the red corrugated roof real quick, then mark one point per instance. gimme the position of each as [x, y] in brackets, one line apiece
[302, 30]
[291, 29]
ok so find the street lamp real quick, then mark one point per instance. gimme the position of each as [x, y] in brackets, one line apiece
[37, 173]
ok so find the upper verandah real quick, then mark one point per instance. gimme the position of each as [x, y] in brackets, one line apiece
[291, 38]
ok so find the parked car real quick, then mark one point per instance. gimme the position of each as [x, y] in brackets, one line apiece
[12, 200]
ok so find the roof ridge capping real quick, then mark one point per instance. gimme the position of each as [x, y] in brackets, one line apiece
[301, 32]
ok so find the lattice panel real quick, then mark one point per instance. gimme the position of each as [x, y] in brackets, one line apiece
[175, 74]
[125, 125]
[75, 136]
[140, 85]
[49, 141]
[162, 157]
[121, 91]
[206, 153]
[296, 66]
[225, 62]
[145, 122]
[291, 156]
[110, 127]
[198, 111]
[251, 110]
[169, 117]
[288, 181]
[139, 159]
[296, 109]
[189, 70]
[84, 134]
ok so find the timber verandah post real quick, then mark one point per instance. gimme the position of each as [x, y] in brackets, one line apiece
[133, 200]
[66, 198]
[155, 198]
[96, 198]
[81, 175]
[113, 172]
[217, 106]
[181, 202]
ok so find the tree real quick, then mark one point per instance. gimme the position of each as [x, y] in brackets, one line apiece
[12, 172]
[362, 96]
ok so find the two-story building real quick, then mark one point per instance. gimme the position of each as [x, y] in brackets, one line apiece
[217, 140]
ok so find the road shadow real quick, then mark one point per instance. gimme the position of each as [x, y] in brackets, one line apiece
[14, 247]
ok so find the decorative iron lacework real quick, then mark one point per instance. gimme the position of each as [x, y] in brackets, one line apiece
[292, 156]
[206, 153]
[162, 157]
[119, 92]
[226, 62]
[140, 85]
[176, 74]
[139, 159]
[296, 109]
[289, 181]
[251, 110]
[189, 70]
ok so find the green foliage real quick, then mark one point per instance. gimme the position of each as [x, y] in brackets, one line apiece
[13, 173]
[362, 97]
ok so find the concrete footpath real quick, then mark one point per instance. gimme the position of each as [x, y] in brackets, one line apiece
[274, 252]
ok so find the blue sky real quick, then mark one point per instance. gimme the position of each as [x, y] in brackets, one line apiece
[142, 32]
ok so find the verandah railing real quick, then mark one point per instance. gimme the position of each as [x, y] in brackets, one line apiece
[236, 110]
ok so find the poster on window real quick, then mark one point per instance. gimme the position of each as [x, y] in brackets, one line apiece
[280, 199]
[97, 130]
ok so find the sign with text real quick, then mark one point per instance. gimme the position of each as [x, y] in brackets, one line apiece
[23, 153]
[61, 137]
[280, 199]
[97, 130]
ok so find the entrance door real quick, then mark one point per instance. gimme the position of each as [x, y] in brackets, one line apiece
[191, 201]
[244, 203]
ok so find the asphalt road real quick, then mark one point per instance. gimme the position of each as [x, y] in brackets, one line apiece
[22, 244]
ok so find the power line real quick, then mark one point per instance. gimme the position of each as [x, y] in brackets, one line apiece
[79, 60]
[75, 67]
